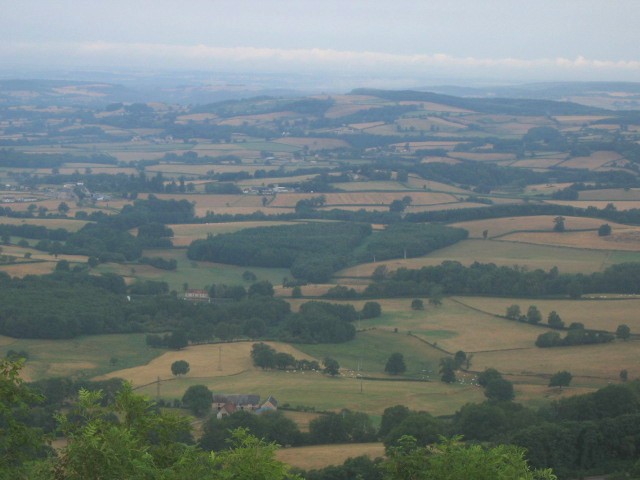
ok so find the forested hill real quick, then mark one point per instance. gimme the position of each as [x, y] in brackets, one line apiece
[509, 106]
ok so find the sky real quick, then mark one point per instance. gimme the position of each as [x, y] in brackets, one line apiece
[417, 40]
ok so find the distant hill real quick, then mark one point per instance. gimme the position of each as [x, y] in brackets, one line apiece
[508, 106]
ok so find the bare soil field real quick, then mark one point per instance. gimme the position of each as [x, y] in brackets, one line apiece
[22, 269]
[320, 456]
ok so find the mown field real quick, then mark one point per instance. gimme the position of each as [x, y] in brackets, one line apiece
[320, 456]
[568, 260]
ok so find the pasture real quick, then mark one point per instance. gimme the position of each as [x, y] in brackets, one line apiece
[81, 357]
[320, 456]
[194, 274]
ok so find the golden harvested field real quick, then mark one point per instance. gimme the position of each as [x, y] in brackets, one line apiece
[313, 143]
[546, 188]
[203, 361]
[568, 260]
[450, 161]
[302, 419]
[364, 126]
[371, 186]
[595, 160]
[604, 361]
[619, 204]
[483, 157]
[184, 234]
[598, 314]
[320, 456]
[428, 145]
[611, 194]
[418, 182]
[196, 117]
[500, 226]
[425, 124]
[219, 203]
[539, 162]
[443, 206]
[365, 198]
[627, 239]
[22, 269]
[52, 223]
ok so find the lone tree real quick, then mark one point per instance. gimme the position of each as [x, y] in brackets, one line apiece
[623, 332]
[604, 230]
[560, 379]
[180, 367]
[417, 304]
[447, 370]
[499, 390]
[558, 224]
[331, 366]
[371, 310]
[395, 364]
[198, 399]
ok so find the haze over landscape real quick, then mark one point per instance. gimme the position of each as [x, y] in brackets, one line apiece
[398, 44]
[319, 240]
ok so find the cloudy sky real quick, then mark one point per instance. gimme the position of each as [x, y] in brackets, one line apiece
[513, 40]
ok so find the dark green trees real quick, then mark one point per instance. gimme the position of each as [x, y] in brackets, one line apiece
[180, 367]
[198, 399]
[395, 364]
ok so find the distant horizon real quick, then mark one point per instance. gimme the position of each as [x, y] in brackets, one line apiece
[407, 42]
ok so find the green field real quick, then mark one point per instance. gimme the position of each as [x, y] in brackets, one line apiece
[195, 274]
[82, 357]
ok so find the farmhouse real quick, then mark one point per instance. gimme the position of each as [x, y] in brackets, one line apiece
[229, 404]
[195, 295]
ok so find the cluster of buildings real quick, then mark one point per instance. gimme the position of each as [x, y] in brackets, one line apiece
[226, 405]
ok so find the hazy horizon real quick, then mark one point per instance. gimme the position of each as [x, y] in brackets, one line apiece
[404, 44]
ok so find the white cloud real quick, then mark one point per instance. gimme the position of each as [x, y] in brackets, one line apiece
[207, 57]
